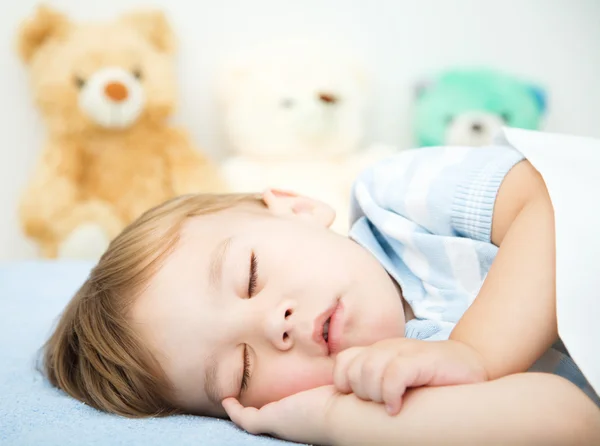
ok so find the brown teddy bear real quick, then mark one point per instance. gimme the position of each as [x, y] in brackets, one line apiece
[105, 91]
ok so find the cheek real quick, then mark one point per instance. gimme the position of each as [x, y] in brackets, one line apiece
[284, 377]
[383, 328]
[372, 320]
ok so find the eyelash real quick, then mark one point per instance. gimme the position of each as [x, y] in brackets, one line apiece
[253, 275]
[251, 288]
[246, 376]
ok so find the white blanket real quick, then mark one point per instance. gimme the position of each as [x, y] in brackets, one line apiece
[570, 166]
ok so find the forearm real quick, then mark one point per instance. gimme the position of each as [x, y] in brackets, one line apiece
[524, 409]
[512, 322]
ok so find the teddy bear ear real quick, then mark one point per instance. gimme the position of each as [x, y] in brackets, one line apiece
[231, 77]
[361, 73]
[43, 25]
[540, 96]
[154, 26]
[422, 85]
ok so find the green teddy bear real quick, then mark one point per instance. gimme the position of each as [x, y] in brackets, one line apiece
[468, 107]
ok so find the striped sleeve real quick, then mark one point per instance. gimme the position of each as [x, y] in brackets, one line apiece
[446, 191]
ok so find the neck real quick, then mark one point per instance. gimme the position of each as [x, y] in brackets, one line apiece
[408, 312]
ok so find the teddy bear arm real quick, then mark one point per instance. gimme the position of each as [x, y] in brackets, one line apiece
[52, 206]
[51, 191]
[92, 211]
[91, 222]
[86, 230]
[190, 171]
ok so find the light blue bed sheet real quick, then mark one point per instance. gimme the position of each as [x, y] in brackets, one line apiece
[32, 294]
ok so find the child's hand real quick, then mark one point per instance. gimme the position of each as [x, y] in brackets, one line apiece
[302, 417]
[383, 371]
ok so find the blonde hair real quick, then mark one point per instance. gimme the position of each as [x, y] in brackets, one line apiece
[93, 354]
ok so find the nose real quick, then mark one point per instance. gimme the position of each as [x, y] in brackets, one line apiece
[116, 91]
[279, 326]
[328, 98]
[477, 127]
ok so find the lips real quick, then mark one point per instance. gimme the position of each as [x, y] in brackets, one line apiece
[327, 329]
[334, 338]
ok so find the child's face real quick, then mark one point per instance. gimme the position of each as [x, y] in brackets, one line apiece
[200, 319]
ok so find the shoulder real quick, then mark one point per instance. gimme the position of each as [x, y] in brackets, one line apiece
[522, 185]
[433, 160]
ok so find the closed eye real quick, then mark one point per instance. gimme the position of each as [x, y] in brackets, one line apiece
[252, 278]
[246, 375]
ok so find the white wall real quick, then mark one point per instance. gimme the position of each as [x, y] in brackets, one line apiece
[554, 42]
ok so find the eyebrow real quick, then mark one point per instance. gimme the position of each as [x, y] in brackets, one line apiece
[211, 388]
[216, 263]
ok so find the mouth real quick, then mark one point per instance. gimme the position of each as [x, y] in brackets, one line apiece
[328, 328]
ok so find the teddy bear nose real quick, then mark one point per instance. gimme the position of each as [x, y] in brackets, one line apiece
[328, 98]
[116, 91]
[477, 127]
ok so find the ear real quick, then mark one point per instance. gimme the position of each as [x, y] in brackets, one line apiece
[540, 97]
[286, 203]
[154, 26]
[364, 78]
[360, 72]
[422, 86]
[230, 79]
[45, 24]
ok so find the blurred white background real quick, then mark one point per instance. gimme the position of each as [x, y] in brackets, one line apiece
[555, 43]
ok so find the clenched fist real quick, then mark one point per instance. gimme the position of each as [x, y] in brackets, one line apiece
[383, 371]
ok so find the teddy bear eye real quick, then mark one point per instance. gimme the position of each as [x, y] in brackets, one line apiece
[287, 103]
[79, 81]
[506, 117]
[137, 73]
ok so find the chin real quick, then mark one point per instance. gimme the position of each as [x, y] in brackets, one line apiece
[375, 319]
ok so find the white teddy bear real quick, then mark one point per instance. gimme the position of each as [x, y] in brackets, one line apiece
[294, 114]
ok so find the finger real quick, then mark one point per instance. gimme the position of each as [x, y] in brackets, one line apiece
[248, 418]
[340, 370]
[401, 374]
[355, 378]
[233, 408]
[393, 384]
[373, 368]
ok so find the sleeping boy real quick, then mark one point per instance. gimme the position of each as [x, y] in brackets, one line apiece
[429, 314]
